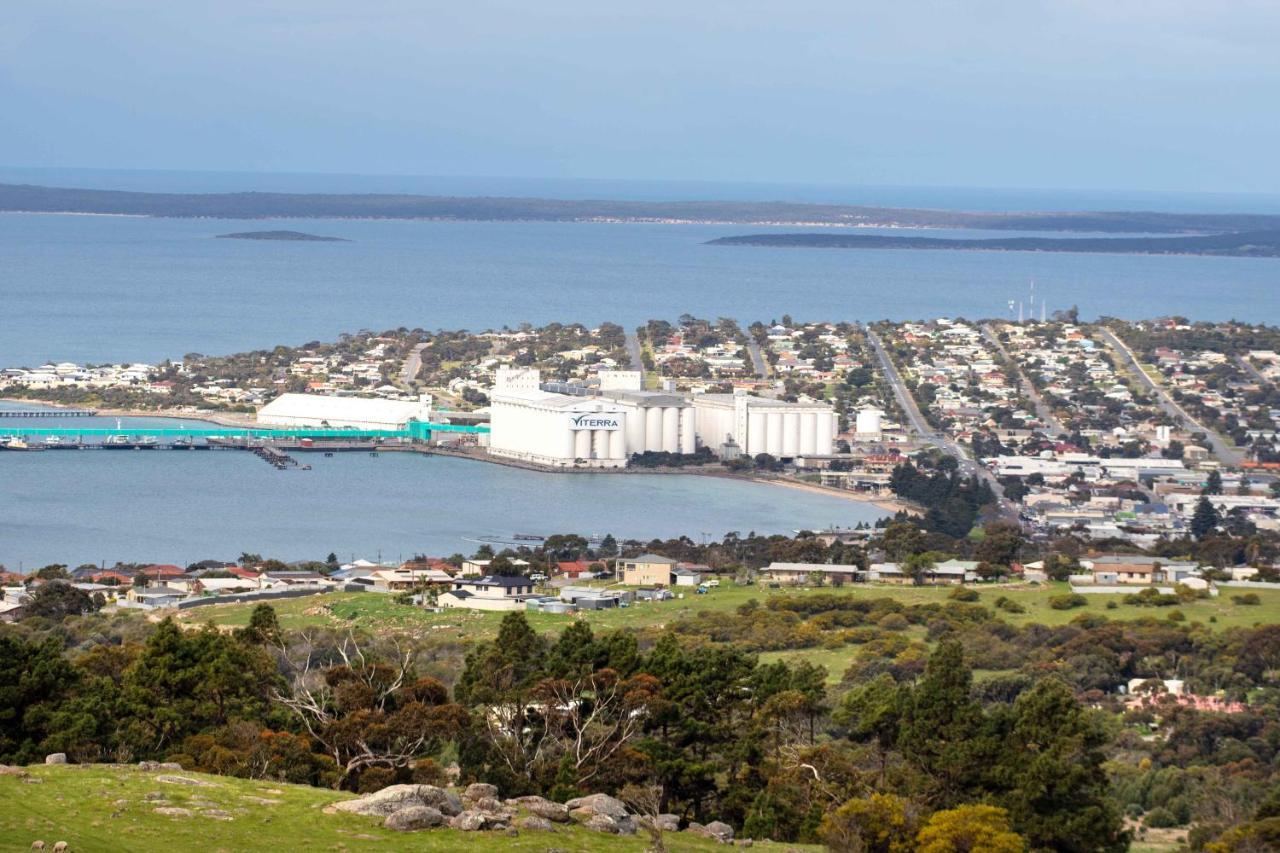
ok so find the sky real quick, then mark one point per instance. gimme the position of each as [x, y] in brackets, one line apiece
[1161, 95]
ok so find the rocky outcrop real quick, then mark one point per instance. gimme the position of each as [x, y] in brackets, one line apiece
[408, 808]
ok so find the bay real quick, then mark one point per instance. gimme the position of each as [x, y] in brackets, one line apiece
[98, 506]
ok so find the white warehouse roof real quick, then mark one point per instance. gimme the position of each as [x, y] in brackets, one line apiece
[293, 409]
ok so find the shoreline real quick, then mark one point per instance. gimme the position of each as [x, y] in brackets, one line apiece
[889, 505]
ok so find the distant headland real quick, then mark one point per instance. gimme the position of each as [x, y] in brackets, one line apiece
[25, 198]
[1253, 244]
[287, 236]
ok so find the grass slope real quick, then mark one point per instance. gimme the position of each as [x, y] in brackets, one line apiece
[377, 612]
[105, 808]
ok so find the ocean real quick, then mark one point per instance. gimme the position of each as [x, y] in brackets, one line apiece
[113, 288]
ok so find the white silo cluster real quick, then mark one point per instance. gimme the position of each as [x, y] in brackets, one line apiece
[557, 430]
[762, 425]
[656, 421]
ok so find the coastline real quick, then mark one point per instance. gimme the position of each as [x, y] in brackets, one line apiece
[229, 419]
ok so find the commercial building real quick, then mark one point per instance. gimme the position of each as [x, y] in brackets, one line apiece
[762, 425]
[317, 411]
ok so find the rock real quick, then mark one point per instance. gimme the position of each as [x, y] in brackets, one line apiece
[486, 804]
[664, 822]
[471, 821]
[743, 842]
[479, 791]
[534, 822]
[615, 825]
[9, 770]
[185, 780]
[217, 814]
[261, 801]
[543, 808]
[413, 818]
[597, 804]
[172, 811]
[393, 798]
[718, 830]
[453, 773]
[155, 797]
[56, 758]
[159, 765]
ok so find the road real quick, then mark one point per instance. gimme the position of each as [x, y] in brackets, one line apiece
[968, 466]
[1248, 368]
[757, 358]
[412, 364]
[633, 353]
[1042, 411]
[1221, 448]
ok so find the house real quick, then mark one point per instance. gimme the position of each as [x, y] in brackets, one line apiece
[887, 573]
[595, 598]
[575, 569]
[491, 592]
[952, 571]
[404, 580]
[478, 568]
[1133, 569]
[804, 573]
[155, 596]
[294, 578]
[162, 572]
[646, 570]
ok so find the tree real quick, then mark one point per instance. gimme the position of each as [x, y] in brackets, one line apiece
[1051, 770]
[56, 600]
[263, 627]
[1205, 519]
[34, 679]
[969, 829]
[942, 731]
[916, 566]
[881, 823]
[1213, 485]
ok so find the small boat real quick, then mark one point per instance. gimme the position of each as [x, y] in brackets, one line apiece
[117, 442]
[148, 442]
[53, 441]
[182, 444]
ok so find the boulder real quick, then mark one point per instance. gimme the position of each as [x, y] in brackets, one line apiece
[479, 791]
[10, 770]
[185, 780]
[393, 798]
[614, 825]
[152, 766]
[543, 808]
[597, 804]
[486, 804]
[472, 821]
[664, 822]
[540, 824]
[718, 830]
[414, 818]
[56, 758]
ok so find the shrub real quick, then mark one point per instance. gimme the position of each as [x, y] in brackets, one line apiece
[894, 622]
[1112, 605]
[1177, 616]
[1008, 605]
[1160, 818]
[1067, 602]
[961, 593]
[1248, 598]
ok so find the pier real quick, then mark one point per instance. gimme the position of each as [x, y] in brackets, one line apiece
[48, 413]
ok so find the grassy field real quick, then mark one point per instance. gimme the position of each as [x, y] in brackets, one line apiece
[106, 808]
[377, 612]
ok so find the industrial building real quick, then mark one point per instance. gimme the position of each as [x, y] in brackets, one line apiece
[762, 425]
[318, 411]
[557, 429]
[656, 421]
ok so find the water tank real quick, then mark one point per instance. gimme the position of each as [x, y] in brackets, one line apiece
[868, 422]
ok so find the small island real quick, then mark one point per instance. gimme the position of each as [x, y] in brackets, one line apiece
[290, 236]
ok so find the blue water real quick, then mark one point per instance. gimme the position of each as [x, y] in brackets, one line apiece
[77, 506]
[99, 288]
